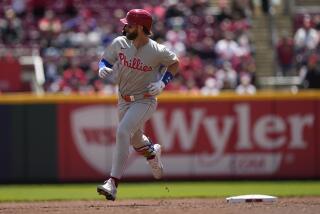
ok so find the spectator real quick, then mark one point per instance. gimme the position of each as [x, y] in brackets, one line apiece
[285, 53]
[311, 79]
[245, 86]
[174, 10]
[19, 7]
[265, 6]
[242, 9]
[50, 23]
[191, 68]
[84, 20]
[211, 87]
[38, 7]
[51, 67]
[73, 79]
[227, 48]
[11, 28]
[192, 86]
[316, 21]
[226, 76]
[175, 41]
[306, 37]
[159, 32]
[49, 26]
[158, 10]
[224, 13]
[247, 66]
[245, 48]
[67, 7]
[203, 48]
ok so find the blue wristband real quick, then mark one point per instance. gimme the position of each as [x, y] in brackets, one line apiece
[104, 63]
[167, 77]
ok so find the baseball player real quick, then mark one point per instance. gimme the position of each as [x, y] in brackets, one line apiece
[136, 60]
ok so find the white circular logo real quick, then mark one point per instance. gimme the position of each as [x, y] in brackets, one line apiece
[93, 129]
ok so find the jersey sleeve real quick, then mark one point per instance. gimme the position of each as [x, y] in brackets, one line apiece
[167, 57]
[110, 54]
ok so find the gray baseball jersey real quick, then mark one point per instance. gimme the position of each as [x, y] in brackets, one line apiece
[137, 68]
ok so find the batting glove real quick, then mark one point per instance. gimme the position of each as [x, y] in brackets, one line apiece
[104, 72]
[156, 88]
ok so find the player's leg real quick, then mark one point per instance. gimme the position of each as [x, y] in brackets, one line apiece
[109, 188]
[138, 113]
[152, 152]
[142, 144]
[134, 118]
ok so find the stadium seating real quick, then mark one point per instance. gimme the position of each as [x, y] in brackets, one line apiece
[77, 31]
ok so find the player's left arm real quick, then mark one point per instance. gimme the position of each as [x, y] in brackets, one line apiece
[173, 68]
[171, 61]
[171, 71]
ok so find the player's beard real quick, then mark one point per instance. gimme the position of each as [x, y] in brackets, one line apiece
[132, 36]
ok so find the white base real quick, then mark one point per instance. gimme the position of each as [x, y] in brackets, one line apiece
[251, 198]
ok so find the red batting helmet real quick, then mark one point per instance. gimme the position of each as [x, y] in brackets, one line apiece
[138, 17]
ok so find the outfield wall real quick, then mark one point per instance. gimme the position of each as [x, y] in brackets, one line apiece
[71, 138]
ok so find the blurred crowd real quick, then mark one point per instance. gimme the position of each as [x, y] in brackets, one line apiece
[300, 54]
[213, 43]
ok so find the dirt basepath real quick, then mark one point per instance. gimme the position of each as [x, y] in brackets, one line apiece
[305, 205]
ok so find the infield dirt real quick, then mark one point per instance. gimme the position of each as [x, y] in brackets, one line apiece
[305, 205]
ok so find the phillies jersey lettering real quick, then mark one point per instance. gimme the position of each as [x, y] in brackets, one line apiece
[135, 63]
[136, 68]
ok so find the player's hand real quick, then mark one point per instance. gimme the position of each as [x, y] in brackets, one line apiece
[156, 88]
[104, 72]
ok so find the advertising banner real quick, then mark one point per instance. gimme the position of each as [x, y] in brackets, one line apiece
[207, 139]
[10, 79]
[299, 152]
[86, 140]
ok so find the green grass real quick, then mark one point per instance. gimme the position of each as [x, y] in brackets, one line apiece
[160, 190]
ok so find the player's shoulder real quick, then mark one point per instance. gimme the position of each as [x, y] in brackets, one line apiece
[157, 46]
[120, 40]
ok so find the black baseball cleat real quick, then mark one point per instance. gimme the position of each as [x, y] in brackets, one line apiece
[108, 189]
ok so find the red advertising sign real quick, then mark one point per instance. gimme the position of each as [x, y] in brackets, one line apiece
[10, 79]
[299, 151]
[86, 139]
[213, 139]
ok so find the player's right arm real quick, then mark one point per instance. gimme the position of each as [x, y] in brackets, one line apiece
[108, 59]
[105, 68]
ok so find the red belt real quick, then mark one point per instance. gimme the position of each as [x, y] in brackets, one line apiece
[132, 98]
